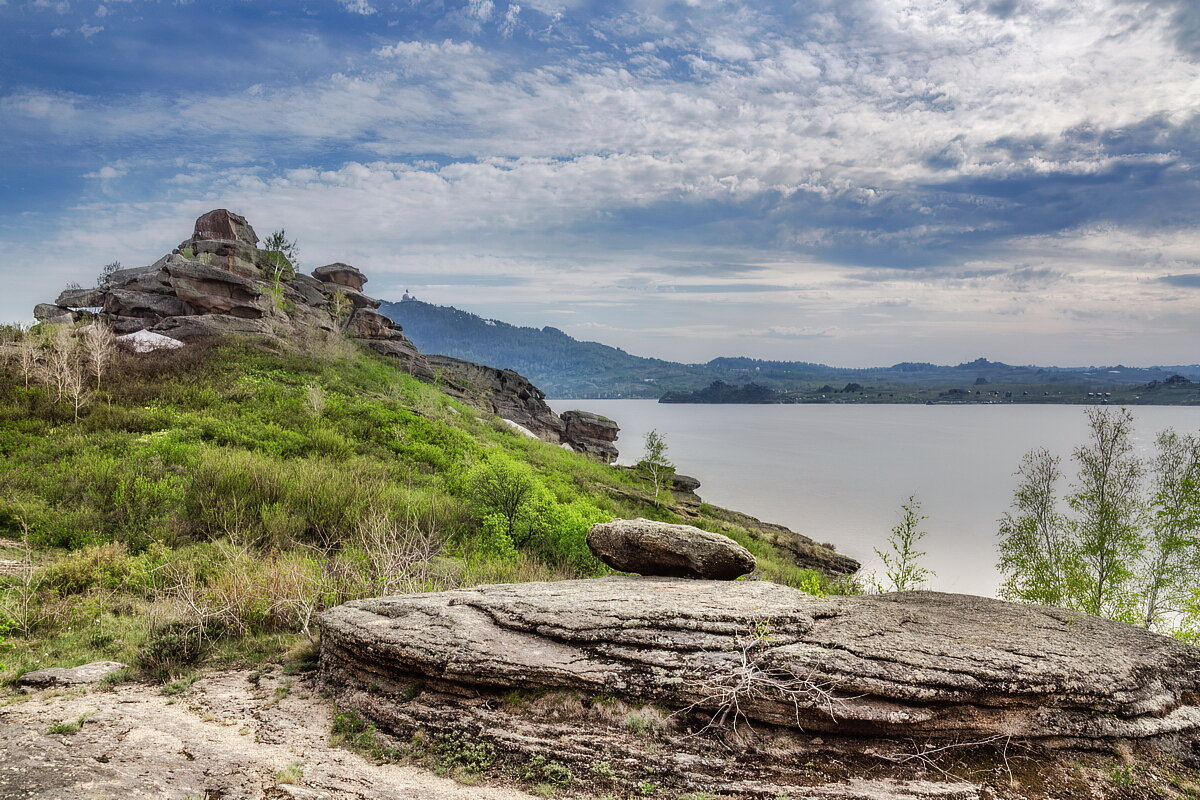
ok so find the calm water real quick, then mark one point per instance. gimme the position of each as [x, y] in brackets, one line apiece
[838, 473]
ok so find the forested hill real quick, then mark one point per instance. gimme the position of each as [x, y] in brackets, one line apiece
[566, 367]
[557, 363]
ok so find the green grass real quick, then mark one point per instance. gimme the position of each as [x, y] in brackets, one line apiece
[210, 502]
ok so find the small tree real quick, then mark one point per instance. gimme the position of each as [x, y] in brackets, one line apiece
[1036, 556]
[282, 256]
[29, 348]
[901, 560]
[106, 272]
[99, 348]
[655, 465]
[1172, 556]
[1107, 503]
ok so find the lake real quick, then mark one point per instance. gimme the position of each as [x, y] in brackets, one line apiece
[838, 473]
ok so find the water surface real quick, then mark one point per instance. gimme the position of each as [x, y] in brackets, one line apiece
[838, 473]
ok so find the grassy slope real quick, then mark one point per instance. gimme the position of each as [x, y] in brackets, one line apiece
[235, 491]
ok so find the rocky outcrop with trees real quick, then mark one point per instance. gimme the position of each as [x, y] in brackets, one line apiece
[219, 281]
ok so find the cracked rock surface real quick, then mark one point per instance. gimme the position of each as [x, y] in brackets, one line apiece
[918, 664]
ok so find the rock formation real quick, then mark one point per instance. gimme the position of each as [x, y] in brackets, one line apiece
[869, 677]
[217, 282]
[591, 433]
[647, 547]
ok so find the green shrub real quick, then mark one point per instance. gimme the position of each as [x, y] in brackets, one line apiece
[173, 648]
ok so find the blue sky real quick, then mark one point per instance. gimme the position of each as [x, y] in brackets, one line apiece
[848, 181]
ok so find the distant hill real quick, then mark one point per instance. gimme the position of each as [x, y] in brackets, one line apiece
[566, 367]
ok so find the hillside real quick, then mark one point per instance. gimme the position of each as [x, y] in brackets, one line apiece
[170, 502]
[568, 368]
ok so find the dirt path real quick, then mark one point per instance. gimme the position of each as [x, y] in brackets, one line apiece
[225, 737]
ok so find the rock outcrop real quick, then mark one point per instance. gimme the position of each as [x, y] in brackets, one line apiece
[872, 676]
[591, 433]
[502, 392]
[646, 547]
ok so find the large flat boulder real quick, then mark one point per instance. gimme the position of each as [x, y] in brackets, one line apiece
[647, 547]
[915, 665]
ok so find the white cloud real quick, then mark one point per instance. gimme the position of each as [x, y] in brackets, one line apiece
[358, 7]
[107, 173]
[853, 106]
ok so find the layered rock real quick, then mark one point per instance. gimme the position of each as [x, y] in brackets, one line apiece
[503, 392]
[875, 674]
[341, 274]
[591, 433]
[647, 547]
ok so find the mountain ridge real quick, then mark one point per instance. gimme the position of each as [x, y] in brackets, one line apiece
[566, 367]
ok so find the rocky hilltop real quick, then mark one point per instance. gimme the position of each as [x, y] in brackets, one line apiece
[752, 689]
[219, 282]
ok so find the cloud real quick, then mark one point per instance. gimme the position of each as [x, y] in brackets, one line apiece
[107, 173]
[883, 168]
[358, 7]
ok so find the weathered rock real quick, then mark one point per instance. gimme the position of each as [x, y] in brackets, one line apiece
[223, 224]
[920, 666]
[73, 676]
[400, 348]
[501, 392]
[145, 305]
[341, 274]
[80, 298]
[48, 312]
[591, 433]
[674, 551]
[202, 326]
[684, 484]
[367, 323]
[211, 290]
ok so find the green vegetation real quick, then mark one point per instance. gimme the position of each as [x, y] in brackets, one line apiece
[902, 570]
[1127, 544]
[654, 465]
[207, 503]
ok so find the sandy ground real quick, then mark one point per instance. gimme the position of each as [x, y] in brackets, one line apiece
[224, 738]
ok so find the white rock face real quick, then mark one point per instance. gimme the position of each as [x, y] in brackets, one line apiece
[147, 341]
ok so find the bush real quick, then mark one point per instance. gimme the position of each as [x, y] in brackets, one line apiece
[172, 649]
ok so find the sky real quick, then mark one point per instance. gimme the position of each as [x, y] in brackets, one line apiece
[854, 182]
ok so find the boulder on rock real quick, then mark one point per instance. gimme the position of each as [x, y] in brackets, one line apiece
[342, 275]
[221, 224]
[647, 547]
[73, 676]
